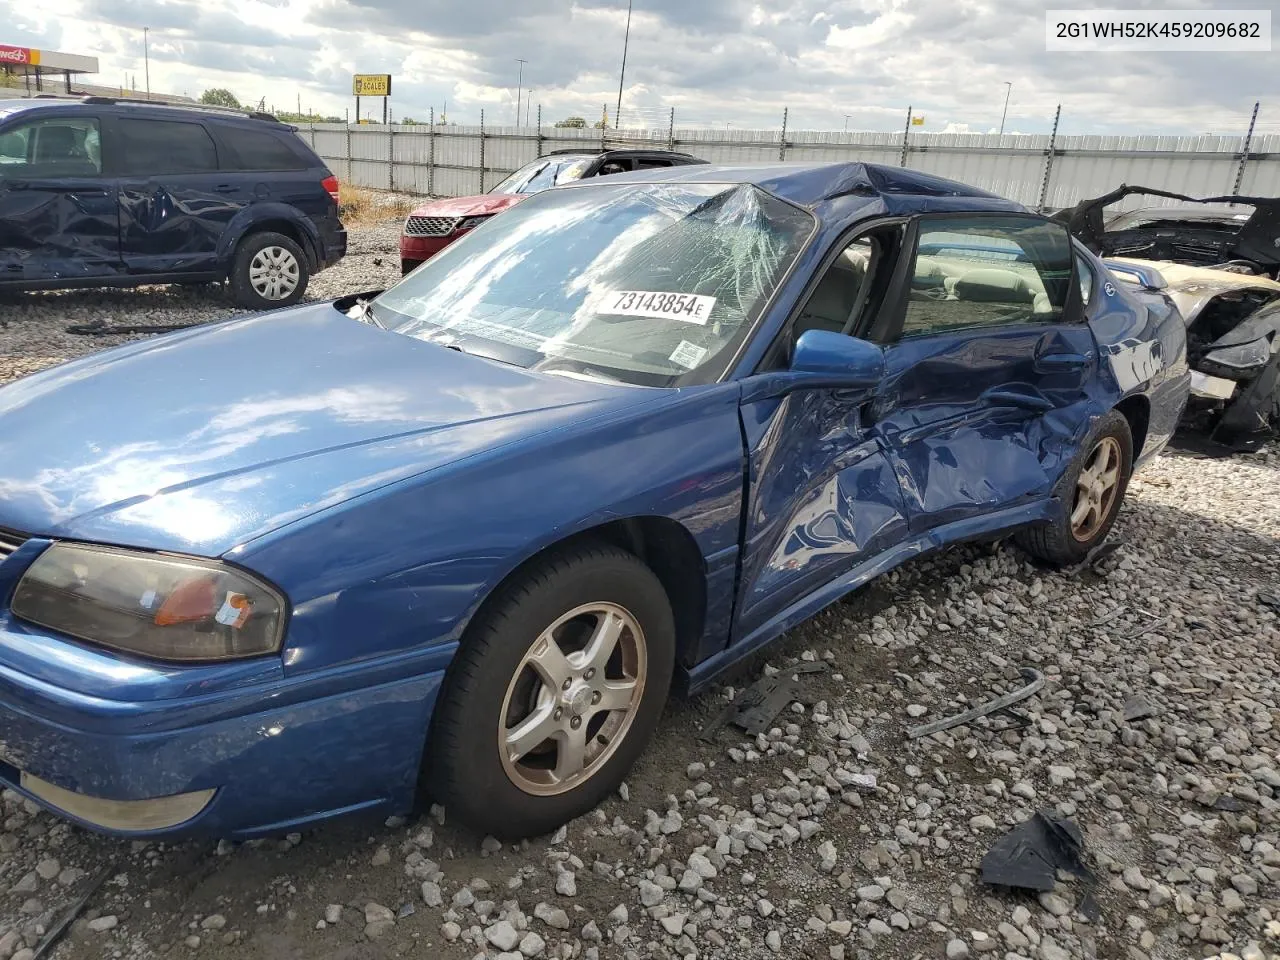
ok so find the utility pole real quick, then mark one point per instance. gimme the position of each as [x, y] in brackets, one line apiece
[626, 40]
[846, 123]
[146, 59]
[519, 87]
[1009, 85]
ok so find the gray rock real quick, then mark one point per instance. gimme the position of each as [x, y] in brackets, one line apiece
[1055, 904]
[502, 935]
[48, 869]
[376, 913]
[431, 894]
[871, 892]
[103, 924]
[567, 884]
[773, 940]
[957, 949]
[553, 917]
[450, 931]
[333, 913]
[214, 921]
[532, 945]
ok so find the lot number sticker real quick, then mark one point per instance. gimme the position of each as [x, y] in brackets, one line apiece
[688, 355]
[687, 307]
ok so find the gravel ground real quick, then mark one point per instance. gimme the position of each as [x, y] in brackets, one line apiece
[775, 846]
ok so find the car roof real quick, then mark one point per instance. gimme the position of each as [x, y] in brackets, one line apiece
[622, 152]
[810, 184]
[159, 107]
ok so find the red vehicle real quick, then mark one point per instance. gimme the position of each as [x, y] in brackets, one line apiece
[435, 225]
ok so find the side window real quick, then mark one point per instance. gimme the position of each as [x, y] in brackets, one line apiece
[614, 166]
[980, 271]
[652, 163]
[165, 147]
[55, 147]
[853, 287]
[1084, 273]
[258, 150]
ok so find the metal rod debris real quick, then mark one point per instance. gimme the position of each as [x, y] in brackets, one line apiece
[74, 911]
[1035, 681]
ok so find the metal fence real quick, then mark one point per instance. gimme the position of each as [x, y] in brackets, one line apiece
[1044, 171]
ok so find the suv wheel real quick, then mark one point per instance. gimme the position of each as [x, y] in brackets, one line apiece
[269, 271]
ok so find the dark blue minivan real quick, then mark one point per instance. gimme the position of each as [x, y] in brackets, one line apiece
[102, 192]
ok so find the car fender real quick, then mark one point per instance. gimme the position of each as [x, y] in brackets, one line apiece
[254, 216]
[405, 567]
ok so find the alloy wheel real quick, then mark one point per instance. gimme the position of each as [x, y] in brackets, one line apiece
[1096, 489]
[274, 273]
[572, 699]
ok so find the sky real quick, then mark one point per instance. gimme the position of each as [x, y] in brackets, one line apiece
[737, 64]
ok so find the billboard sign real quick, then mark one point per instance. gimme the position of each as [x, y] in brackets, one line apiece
[18, 56]
[370, 84]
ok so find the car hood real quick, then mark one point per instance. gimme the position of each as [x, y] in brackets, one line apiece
[1194, 288]
[202, 440]
[468, 206]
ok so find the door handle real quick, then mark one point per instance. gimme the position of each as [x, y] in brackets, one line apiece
[1062, 362]
[1016, 398]
[224, 188]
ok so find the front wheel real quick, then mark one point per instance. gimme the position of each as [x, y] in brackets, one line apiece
[1089, 496]
[553, 694]
[269, 270]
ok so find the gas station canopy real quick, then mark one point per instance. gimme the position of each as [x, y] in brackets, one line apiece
[36, 64]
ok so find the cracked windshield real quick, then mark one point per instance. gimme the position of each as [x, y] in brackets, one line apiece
[651, 284]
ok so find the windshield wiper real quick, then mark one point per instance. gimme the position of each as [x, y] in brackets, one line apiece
[363, 311]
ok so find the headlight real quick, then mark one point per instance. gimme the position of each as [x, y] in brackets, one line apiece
[470, 223]
[1243, 356]
[170, 608]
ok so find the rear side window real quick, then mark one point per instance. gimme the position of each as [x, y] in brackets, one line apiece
[984, 271]
[165, 147]
[53, 147]
[258, 150]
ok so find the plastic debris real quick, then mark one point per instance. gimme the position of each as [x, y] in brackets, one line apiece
[1029, 856]
[58, 929]
[754, 708]
[1001, 704]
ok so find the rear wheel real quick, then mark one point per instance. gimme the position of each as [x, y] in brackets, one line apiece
[554, 693]
[1089, 496]
[269, 270]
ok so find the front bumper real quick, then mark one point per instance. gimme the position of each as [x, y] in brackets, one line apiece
[414, 250]
[266, 758]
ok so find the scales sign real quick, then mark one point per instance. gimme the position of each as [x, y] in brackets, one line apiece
[367, 84]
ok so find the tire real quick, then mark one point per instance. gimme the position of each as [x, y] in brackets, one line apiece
[1060, 541]
[264, 266]
[493, 691]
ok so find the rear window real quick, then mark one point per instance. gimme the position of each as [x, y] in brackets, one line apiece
[165, 147]
[259, 150]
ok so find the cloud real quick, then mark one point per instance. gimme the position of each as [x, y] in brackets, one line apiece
[724, 61]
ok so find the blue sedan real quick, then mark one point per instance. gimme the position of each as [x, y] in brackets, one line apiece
[461, 538]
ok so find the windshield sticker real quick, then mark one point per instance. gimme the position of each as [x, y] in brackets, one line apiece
[688, 355]
[686, 307]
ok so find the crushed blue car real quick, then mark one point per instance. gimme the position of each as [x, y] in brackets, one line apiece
[460, 538]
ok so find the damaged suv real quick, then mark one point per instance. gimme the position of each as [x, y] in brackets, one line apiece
[1218, 260]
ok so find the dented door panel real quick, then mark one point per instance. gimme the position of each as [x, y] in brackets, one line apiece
[173, 224]
[984, 419]
[58, 228]
[822, 496]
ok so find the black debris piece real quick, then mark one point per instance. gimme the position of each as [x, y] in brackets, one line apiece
[71, 914]
[754, 708]
[1136, 708]
[97, 328]
[1029, 856]
[1228, 804]
[1269, 600]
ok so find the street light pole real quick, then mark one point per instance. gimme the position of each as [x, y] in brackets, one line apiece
[1005, 112]
[146, 60]
[617, 114]
[846, 122]
[519, 87]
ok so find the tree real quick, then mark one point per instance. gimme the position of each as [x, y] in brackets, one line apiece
[571, 122]
[219, 97]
